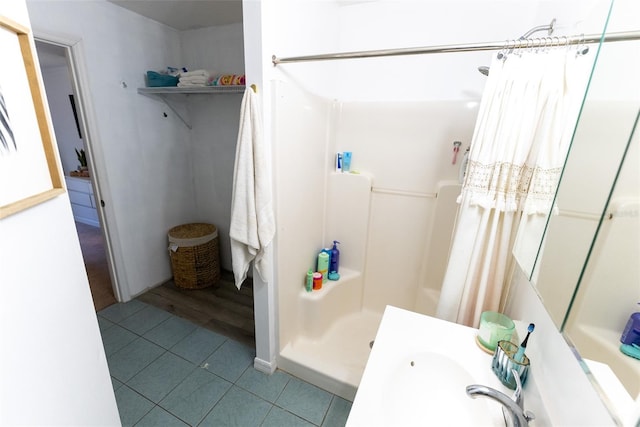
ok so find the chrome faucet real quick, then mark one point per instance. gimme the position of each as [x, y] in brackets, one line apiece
[514, 405]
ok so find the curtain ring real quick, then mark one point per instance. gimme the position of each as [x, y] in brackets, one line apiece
[564, 42]
[511, 44]
[500, 54]
[582, 48]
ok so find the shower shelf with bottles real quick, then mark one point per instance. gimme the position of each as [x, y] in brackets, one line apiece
[166, 94]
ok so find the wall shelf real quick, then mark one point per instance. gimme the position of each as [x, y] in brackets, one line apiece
[203, 90]
[167, 93]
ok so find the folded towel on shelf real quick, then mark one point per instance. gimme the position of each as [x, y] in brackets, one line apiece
[252, 225]
[155, 79]
[189, 84]
[194, 79]
[194, 73]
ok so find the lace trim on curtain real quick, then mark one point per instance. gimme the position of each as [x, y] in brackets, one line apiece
[506, 186]
[544, 184]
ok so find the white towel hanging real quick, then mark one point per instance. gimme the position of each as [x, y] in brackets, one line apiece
[252, 222]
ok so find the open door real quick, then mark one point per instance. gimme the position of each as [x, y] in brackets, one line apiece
[74, 151]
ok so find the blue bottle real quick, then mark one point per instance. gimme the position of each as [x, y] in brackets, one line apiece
[631, 333]
[346, 161]
[334, 262]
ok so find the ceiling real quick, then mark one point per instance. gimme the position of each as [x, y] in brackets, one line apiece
[187, 14]
[179, 14]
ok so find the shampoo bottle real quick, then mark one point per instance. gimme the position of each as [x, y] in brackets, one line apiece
[309, 282]
[346, 161]
[317, 281]
[631, 332]
[323, 265]
[335, 258]
[328, 252]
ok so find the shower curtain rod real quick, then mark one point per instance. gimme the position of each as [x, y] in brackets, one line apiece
[470, 47]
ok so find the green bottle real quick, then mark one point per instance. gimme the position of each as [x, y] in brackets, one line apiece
[323, 265]
[309, 283]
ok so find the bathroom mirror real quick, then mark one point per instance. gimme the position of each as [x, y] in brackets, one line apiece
[587, 272]
[608, 289]
[599, 145]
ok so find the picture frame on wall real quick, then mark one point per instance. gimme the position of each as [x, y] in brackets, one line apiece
[29, 166]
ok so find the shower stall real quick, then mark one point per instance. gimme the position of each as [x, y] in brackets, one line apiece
[393, 216]
[400, 117]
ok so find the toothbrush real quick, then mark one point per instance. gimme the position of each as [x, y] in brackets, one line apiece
[519, 356]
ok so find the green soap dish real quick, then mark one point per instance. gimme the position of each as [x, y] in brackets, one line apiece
[632, 350]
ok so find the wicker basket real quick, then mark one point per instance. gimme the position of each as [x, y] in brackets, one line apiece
[194, 253]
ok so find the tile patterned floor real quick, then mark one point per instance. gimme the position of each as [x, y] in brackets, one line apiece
[167, 371]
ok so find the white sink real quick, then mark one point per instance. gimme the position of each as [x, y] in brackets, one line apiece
[417, 374]
[421, 387]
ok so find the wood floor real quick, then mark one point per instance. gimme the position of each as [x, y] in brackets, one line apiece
[222, 308]
[95, 262]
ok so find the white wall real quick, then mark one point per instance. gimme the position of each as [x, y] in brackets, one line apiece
[299, 179]
[355, 26]
[144, 162]
[58, 86]
[215, 125]
[157, 173]
[52, 363]
[217, 49]
[408, 148]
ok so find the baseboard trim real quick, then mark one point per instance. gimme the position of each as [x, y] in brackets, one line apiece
[264, 366]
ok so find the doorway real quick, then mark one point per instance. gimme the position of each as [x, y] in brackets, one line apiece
[73, 146]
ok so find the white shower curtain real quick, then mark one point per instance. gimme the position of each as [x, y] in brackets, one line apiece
[525, 123]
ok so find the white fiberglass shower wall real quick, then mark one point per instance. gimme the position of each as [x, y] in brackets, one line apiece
[400, 117]
[393, 219]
